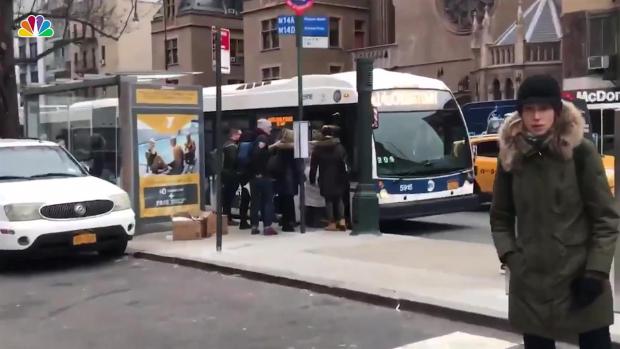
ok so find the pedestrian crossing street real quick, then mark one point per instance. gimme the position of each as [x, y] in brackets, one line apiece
[462, 340]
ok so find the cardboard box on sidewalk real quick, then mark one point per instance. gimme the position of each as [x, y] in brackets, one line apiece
[186, 227]
[210, 224]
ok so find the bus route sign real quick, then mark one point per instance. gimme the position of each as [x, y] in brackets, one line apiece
[300, 6]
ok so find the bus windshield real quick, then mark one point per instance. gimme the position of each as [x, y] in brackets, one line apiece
[418, 143]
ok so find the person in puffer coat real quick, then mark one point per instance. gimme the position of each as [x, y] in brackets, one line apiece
[329, 158]
[554, 222]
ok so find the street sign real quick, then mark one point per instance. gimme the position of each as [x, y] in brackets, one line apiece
[286, 25]
[225, 49]
[301, 131]
[315, 33]
[300, 6]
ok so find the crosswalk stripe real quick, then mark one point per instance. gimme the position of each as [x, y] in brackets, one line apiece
[460, 340]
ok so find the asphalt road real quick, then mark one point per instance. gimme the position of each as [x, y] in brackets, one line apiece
[463, 226]
[87, 302]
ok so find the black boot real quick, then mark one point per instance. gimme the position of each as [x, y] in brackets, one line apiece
[244, 225]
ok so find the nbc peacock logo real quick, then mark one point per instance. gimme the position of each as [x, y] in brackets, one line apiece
[35, 27]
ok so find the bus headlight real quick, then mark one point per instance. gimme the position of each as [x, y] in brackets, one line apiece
[121, 202]
[23, 212]
[383, 194]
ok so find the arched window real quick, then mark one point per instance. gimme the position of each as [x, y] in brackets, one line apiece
[510, 90]
[497, 90]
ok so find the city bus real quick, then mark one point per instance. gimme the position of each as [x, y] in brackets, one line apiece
[422, 164]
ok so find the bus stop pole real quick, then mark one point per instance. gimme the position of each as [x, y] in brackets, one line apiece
[300, 116]
[218, 136]
[365, 201]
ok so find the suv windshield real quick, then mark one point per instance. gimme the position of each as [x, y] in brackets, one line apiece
[34, 162]
[421, 143]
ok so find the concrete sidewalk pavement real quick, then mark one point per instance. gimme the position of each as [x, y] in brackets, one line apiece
[446, 275]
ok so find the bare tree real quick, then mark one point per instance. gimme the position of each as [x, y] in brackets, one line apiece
[101, 18]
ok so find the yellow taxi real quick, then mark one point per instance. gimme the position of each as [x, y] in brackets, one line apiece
[486, 150]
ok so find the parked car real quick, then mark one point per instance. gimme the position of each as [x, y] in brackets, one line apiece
[486, 150]
[50, 205]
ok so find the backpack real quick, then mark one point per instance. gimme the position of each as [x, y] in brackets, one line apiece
[244, 154]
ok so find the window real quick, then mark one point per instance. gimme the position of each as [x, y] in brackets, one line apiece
[334, 32]
[360, 34]
[34, 76]
[497, 90]
[102, 54]
[76, 59]
[489, 149]
[333, 69]
[172, 57]
[603, 36]
[170, 8]
[235, 81]
[236, 48]
[75, 35]
[22, 78]
[62, 51]
[84, 59]
[26, 162]
[271, 39]
[271, 73]
[94, 54]
[33, 49]
[22, 49]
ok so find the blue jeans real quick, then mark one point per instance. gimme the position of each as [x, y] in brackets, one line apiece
[262, 201]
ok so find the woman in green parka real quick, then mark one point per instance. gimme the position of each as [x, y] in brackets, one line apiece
[554, 222]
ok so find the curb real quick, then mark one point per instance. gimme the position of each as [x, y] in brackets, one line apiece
[476, 319]
[359, 296]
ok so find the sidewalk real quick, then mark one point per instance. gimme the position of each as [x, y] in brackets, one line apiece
[451, 275]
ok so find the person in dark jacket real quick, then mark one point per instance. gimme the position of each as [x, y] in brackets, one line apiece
[330, 159]
[554, 222]
[230, 174]
[261, 181]
[286, 177]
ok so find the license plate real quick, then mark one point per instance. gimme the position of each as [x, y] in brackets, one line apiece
[453, 185]
[84, 239]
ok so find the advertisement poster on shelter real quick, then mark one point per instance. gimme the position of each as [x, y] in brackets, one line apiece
[169, 165]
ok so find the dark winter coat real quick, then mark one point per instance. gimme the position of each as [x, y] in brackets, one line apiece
[553, 209]
[286, 175]
[260, 155]
[229, 167]
[330, 158]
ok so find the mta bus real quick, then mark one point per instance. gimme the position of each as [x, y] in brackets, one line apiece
[422, 164]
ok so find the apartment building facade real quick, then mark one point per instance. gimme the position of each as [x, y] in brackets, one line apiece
[591, 54]
[181, 39]
[274, 55]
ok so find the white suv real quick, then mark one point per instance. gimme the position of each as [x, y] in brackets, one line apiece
[50, 205]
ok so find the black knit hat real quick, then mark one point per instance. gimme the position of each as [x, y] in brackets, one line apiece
[540, 89]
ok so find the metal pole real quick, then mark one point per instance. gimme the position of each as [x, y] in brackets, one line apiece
[300, 116]
[365, 201]
[218, 134]
[165, 36]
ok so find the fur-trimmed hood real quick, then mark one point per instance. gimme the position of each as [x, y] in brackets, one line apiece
[566, 134]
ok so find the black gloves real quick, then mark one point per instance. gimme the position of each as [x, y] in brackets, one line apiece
[587, 288]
